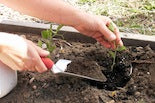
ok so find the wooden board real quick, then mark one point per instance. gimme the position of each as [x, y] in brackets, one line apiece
[129, 39]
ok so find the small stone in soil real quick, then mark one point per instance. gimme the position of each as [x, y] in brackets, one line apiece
[34, 87]
[31, 80]
[137, 94]
[113, 94]
[112, 101]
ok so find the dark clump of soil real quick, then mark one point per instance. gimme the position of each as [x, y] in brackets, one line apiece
[121, 72]
[130, 81]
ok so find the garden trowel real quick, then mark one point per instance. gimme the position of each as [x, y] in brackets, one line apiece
[60, 68]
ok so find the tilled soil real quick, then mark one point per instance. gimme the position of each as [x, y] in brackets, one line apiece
[131, 80]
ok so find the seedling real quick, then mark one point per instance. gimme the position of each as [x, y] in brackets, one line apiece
[47, 38]
[118, 48]
[114, 54]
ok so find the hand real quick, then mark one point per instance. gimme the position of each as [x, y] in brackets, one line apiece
[97, 28]
[33, 61]
[21, 54]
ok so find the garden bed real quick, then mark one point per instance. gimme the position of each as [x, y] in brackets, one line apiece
[131, 80]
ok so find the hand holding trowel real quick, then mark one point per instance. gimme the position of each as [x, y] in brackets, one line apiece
[60, 67]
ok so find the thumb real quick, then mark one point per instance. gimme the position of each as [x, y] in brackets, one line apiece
[41, 52]
[109, 35]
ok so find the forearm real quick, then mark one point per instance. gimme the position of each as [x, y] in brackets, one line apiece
[52, 10]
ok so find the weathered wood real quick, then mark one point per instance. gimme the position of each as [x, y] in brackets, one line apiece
[70, 33]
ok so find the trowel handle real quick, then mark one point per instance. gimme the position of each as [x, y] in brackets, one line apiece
[48, 62]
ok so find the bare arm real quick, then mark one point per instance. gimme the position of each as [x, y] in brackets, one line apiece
[60, 12]
[51, 10]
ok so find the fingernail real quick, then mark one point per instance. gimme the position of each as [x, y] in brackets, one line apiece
[46, 52]
[42, 71]
[112, 37]
[121, 43]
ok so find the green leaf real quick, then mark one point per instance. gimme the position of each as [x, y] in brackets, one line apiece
[58, 28]
[112, 54]
[51, 48]
[149, 6]
[51, 27]
[46, 34]
[111, 27]
[40, 43]
[121, 48]
[47, 38]
[134, 10]
[60, 35]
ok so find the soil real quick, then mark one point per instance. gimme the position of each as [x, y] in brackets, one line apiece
[130, 81]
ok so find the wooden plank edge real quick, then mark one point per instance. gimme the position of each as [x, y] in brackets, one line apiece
[129, 39]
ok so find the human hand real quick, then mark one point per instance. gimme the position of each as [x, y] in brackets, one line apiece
[33, 61]
[21, 54]
[97, 28]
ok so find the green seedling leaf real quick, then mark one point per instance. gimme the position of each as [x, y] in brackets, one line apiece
[111, 27]
[58, 28]
[45, 34]
[51, 48]
[40, 43]
[112, 54]
[47, 38]
[121, 48]
[51, 27]
[60, 35]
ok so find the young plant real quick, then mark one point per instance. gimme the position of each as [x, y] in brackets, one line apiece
[114, 54]
[47, 38]
[118, 48]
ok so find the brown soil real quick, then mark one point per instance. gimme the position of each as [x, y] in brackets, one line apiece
[131, 80]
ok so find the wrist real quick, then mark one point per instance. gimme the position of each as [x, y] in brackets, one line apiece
[83, 19]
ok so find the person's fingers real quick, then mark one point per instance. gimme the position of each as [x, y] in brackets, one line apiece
[30, 64]
[103, 42]
[118, 37]
[41, 52]
[35, 59]
[101, 39]
[110, 36]
[97, 35]
[118, 40]
[40, 66]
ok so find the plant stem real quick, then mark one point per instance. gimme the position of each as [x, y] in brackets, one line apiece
[114, 60]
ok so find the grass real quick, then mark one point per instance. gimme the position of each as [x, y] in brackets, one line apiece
[135, 16]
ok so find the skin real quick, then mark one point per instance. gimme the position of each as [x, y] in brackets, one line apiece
[33, 62]
[60, 12]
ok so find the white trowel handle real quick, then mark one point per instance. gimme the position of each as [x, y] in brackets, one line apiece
[48, 63]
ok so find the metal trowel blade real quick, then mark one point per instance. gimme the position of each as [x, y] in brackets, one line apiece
[61, 66]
